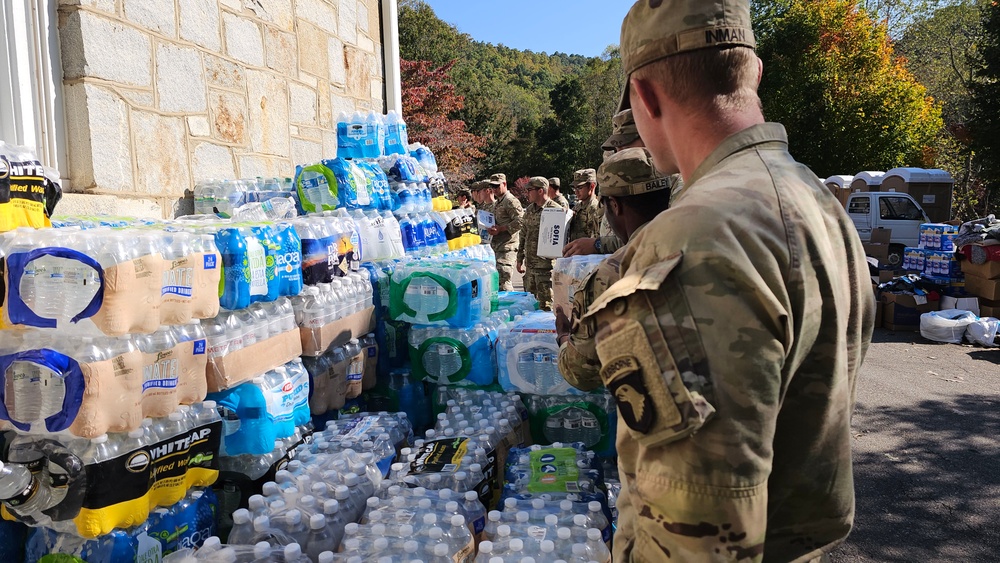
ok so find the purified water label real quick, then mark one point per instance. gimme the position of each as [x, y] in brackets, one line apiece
[440, 456]
[257, 262]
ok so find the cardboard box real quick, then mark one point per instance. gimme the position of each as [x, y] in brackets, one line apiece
[879, 310]
[256, 360]
[902, 312]
[989, 271]
[315, 341]
[961, 303]
[989, 311]
[982, 287]
[878, 246]
[552, 232]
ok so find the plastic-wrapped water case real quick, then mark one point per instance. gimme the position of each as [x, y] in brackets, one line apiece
[528, 357]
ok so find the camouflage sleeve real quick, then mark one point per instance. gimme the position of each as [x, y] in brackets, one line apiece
[700, 420]
[520, 249]
[610, 244]
[516, 218]
[580, 369]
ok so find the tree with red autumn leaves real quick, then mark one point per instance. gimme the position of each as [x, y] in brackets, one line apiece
[429, 100]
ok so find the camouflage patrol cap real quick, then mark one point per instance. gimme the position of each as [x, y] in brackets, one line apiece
[498, 179]
[555, 182]
[657, 29]
[585, 176]
[630, 172]
[623, 132]
[537, 182]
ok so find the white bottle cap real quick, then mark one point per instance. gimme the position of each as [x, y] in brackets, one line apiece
[593, 534]
[579, 549]
[241, 516]
[451, 507]
[551, 520]
[486, 547]
[293, 552]
[563, 533]
[538, 504]
[580, 520]
[516, 544]
[435, 533]
[547, 546]
[440, 550]
[459, 520]
[594, 506]
[471, 496]
[317, 522]
[261, 550]
[494, 516]
[522, 517]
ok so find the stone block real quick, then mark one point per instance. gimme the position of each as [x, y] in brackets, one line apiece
[154, 15]
[365, 44]
[160, 154]
[268, 104]
[224, 74]
[103, 5]
[364, 18]
[341, 103]
[319, 12]
[137, 98]
[309, 134]
[281, 51]
[329, 144]
[212, 161]
[376, 89]
[100, 154]
[308, 79]
[96, 47]
[325, 109]
[306, 152]
[234, 5]
[276, 12]
[348, 21]
[95, 204]
[229, 116]
[254, 165]
[243, 39]
[180, 79]
[314, 47]
[358, 74]
[303, 104]
[338, 69]
[198, 126]
[199, 23]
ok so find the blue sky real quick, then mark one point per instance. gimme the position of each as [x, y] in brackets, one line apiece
[580, 27]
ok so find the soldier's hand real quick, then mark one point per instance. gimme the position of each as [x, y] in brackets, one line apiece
[563, 324]
[580, 247]
[493, 231]
[520, 267]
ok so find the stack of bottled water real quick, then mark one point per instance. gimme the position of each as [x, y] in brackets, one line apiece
[89, 487]
[339, 374]
[89, 385]
[555, 472]
[326, 242]
[58, 277]
[569, 275]
[587, 418]
[343, 184]
[329, 302]
[516, 303]
[184, 526]
[447, 355]
[225, 197]
[437, 291]
[233, 331]
[528, 356]
[260, 412]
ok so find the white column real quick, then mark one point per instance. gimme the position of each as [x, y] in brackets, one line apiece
[390, 55]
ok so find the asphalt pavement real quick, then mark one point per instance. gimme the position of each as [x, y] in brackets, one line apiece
[926, 453]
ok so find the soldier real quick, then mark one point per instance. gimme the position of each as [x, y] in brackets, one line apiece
[537, 270]
[623, 135]
[505, 234]
[555, 193]
[633, 193]
[464, 199]
[733, 340]
[586, 221]
[482, 193]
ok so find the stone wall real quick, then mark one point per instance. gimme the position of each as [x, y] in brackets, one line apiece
[160, 94]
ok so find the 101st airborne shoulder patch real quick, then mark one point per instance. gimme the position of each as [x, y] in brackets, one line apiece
[623, 376]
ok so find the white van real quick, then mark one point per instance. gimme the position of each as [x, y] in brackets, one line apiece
[888, 210]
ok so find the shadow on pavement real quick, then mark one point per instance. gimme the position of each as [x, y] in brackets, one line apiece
[934, 493]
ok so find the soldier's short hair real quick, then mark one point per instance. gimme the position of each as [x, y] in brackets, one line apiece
[721, 78]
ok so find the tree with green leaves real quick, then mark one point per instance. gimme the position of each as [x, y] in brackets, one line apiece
[985, 121]
[846, 99]
[940, 48]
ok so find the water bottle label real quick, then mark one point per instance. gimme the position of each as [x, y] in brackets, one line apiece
[163, 470]
[160, 370]
[553, 470]
[149, 550]
[537, 532]
[199, 347]
[440, 456]
[178, 279]
[210, 261]
[257, 266]
[24, 496]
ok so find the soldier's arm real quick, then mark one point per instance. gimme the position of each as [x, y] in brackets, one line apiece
[692, 350]
[520, 249]
[581, 369]
[516, 219]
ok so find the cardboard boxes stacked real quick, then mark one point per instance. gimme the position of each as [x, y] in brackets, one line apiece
[983, 281]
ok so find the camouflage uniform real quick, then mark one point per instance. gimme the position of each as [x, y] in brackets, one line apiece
[537, 270]
[561, 201]
[610, 242]
[586, 221]
[578, 361]
[718, 328]
[508, 213]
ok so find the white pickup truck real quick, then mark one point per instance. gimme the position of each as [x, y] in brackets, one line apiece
[888, 210]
